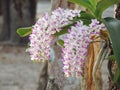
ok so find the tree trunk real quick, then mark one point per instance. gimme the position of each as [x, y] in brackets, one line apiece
[58, 3]
[117, 15]
[43, 77]
[24, 15]
[0, 7]
[63, 4]
[17, 13]
[5, 32]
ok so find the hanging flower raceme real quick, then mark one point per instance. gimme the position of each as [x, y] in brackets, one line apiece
[76, 47]
[40, 40]
[41, 37]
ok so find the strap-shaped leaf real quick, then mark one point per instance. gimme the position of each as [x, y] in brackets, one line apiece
[94, 3]
[117, 77]
[113, 26]
[103, 5]
[85, 3]
[85, 17]
[24, 31]
[64, 30]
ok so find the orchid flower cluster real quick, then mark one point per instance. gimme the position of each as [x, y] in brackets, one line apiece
[76, 41]
[76, 44]
[41, 37]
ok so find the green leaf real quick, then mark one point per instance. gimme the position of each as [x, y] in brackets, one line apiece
[24, 31]
[117, 77]
[103, 5]
[113, 27]
[64, 30]
[85, 17]
[60, 42]
[85, 3]
[94, 3]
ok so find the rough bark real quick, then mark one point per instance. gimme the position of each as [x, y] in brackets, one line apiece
[17, 13]
[58, 3]
[43, 78]
[63, 4]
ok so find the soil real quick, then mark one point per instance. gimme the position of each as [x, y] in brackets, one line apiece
[17, 71]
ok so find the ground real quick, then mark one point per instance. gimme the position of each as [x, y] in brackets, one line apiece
[17, 72]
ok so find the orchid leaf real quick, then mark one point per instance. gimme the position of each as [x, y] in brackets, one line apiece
[64, 30]
[113, 27]
[24, 31]
[93, 3]
[117, 77]
[86, 17]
